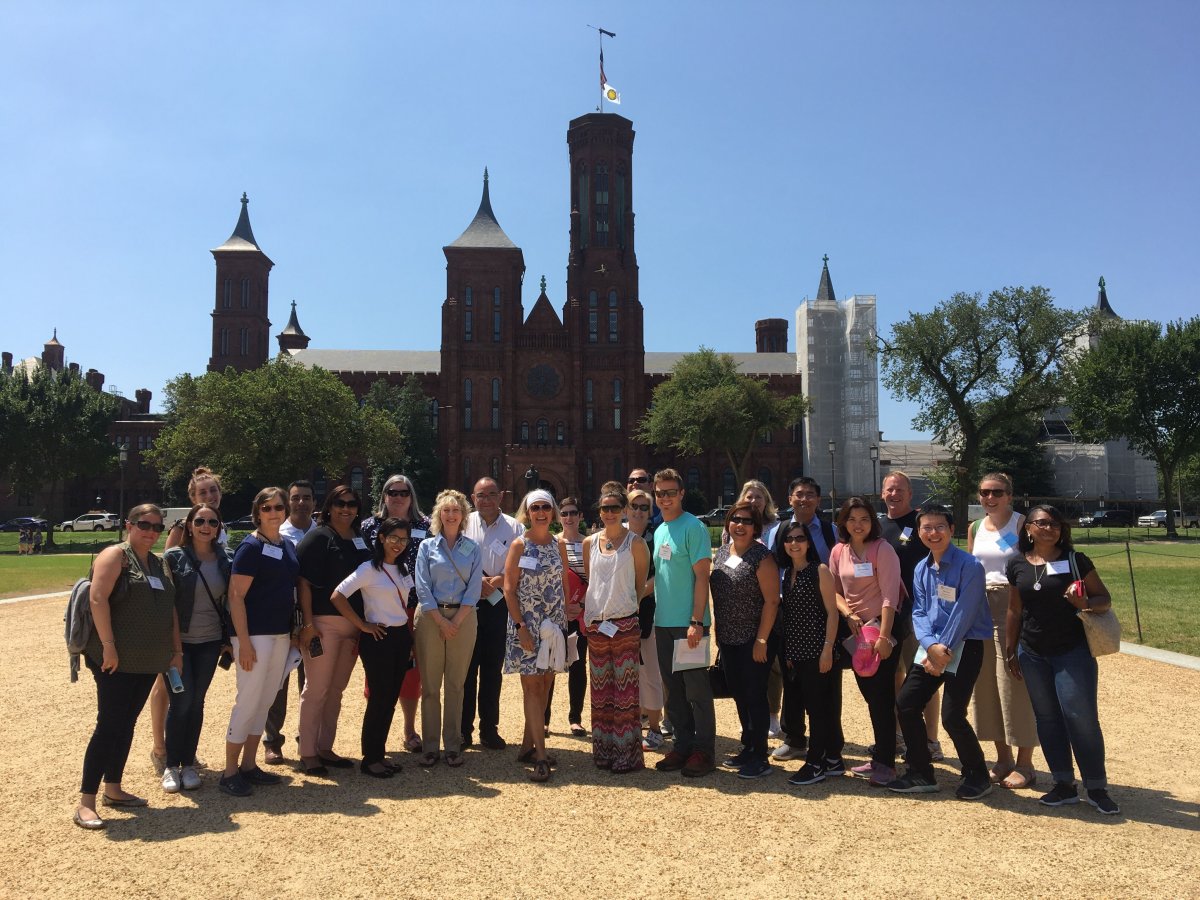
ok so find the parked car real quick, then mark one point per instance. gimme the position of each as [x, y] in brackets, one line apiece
[1107, 518]
[1158, 519]
[93, 522]
[24, 522]
[715, 517]
[245, 523]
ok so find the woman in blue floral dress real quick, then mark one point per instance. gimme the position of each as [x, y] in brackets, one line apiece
[536, 649]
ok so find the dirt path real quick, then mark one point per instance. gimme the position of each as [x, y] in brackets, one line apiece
[485, 831]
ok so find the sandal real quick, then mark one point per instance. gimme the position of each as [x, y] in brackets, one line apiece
[1000, 771]
[454, 759]
[1020, 777]
[526, 756]
[541, 771]
[578, 730]
[428, 759]
[412, 743]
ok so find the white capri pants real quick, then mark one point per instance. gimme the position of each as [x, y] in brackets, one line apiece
[257, 688]
[650, 684]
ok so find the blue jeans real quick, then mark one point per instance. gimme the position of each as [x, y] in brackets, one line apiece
[1062, 688]
[185, 716]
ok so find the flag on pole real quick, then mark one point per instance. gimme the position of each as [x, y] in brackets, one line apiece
[607, 91]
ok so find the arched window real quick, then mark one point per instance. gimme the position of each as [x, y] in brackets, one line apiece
[496, 316]
[600, 209]
[616, 404]
[560, 433]
[589, 474]
[468, 401]
[495, 404]
[693, 479]
[245, 293]
[224, 342]
[468, 315]
[543, 431]
[524, 432]
[227, 294]
[467, 473]
[612, 317]
[244, 340]
[356, 479]
[593, 316]
[617, 469]
[433, 414]
[589, 412]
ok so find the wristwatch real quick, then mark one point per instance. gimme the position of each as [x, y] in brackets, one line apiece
[697, 623]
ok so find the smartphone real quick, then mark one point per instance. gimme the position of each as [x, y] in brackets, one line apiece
[314, 646]
[225, 661]
[174, 680]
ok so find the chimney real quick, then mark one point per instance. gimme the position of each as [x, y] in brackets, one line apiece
[770, 336]
[95, 380]
[143, 401]
[74, 367]
[6, 361]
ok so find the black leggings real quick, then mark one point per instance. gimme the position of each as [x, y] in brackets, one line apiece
[385, 661]
[879, 690]
[120, 697]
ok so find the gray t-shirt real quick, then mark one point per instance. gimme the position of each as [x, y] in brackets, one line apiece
[205, 625]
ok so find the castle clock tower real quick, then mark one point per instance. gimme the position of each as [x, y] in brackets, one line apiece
[241, 329]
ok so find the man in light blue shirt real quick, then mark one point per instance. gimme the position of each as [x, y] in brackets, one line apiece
[951, 620]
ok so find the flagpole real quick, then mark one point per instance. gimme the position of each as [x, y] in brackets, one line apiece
[600, 33]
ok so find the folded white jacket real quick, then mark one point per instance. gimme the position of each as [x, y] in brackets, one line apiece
[552, 648]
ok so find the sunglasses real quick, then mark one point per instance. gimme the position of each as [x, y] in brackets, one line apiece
[396, 539]
[272, 507]
[540, 508]
[640, 507]
[1044, 523]
[398, 492]
[740, 520]
[156, 527]
[795, 539]
[993, 492]
[666, 492]
[642, 480]
[611, 509]
[568, 512]
[343, 504]
[201, 523]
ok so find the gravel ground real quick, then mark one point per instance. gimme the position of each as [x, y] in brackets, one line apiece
[485, 830]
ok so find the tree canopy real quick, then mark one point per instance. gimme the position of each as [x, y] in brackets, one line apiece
[55, 427]
[269, 425]
[1142, 383]
[707, 404]
[415, 452]
[978, 367]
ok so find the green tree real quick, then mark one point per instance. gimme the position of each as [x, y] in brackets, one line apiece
[979, 367]
[707, 404]
[269, 425]
[1142, 383]
[1016, 450]
[53, 427]
[415, 452]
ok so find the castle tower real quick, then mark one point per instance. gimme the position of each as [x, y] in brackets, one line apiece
[241, 328]
[53, 353]
[292, 337]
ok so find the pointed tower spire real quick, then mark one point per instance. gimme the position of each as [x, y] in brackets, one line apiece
[292, 337]
[243, 235]
[825, 289]
[484, 230]
[1102, 304]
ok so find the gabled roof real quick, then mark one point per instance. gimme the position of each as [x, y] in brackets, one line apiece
[825, 290]
[543, 316]
[484, 231]
[243, 235]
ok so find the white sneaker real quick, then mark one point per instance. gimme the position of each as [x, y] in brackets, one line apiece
[785, 752]
[190, 778]
[935, 751]
[170, 780]
[773, 729]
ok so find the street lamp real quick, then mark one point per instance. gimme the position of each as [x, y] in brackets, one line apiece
[874, 451]
[832, 475]
[123, 456]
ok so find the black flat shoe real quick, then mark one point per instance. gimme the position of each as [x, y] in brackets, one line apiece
[316, 771]
[337, 762]
[386, 772]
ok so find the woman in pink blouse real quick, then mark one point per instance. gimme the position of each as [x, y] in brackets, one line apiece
[866, 576]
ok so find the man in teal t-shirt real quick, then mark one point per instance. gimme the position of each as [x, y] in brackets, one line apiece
[682, 560]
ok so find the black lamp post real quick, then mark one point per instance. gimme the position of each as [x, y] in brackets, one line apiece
[123, 456]
[833, 474]
[874, 451]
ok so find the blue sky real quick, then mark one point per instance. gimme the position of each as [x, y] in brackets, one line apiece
[927, 148]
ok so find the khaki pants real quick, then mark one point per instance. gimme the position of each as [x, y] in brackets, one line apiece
[448, 661]
[1002, 708]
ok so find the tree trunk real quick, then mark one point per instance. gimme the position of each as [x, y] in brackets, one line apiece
[1167, 467]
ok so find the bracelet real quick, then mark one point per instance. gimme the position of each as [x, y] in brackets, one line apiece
[829, 643]
[108, 642]
[760, 640]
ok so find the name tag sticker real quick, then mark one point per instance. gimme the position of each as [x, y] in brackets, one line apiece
[1059, 567]
[418, 533]
[495, 596]
[577, 546]
[947, 593]
[272, 551]
[360, 544]
[497, 547]
[664, 552]
[863, 570]
[155, 582]
[528, 562]
[608, 629]
[906, 534]
[1007, 540]
[733, 562]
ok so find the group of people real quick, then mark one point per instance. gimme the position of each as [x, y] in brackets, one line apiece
[439, 607]
[29, 540]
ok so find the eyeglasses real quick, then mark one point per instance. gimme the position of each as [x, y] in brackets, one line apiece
[156, 527]
[641, 479]
[992, 492]
[568, 512]
[201, 523]
[540, 508]
[345, 504]
[272, 507]
[640, 507]
[798, 538]
[492, 495]
[396, 539]
[1044, 523]
[805, 495]
[398, 492]
[611, 508]
[666, 492]
[934, 529]
[740, 520]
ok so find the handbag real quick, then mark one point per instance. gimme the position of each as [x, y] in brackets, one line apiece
[718, 681]
[1102, 630]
